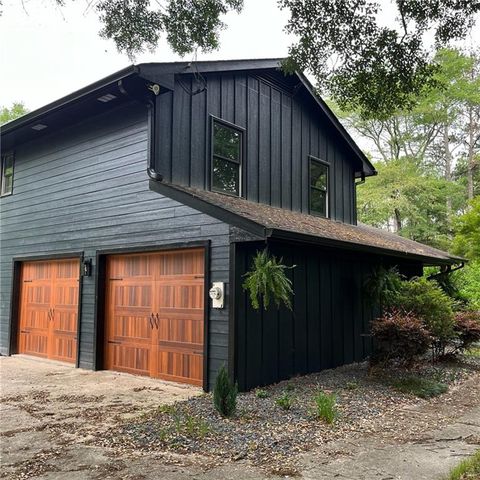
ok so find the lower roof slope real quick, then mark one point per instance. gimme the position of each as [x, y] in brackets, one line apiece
[274, 222]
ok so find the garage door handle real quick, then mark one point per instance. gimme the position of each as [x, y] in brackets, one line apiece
[115, 343]
[157, 321]
[150, 319]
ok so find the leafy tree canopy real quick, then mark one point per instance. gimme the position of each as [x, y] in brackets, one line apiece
[363, 63]
[7, 114]
[467, 227]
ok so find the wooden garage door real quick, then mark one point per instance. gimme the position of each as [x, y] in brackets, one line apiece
[49, 309]
[154, 314]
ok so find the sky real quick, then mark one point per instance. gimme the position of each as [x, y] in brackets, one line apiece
[48, 53]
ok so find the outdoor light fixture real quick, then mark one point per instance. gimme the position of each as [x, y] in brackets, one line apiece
[87, 267]
[39, 126]
[106, 98]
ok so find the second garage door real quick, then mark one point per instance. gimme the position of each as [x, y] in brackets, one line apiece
[49, 309]
[154, 322]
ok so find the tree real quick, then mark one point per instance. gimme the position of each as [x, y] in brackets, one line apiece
[365, 65]
[18, 109]
[467, 229]
[409, 200]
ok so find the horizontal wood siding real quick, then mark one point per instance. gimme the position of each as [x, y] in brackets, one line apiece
[327, 327]
[86, 189]
[282, 130]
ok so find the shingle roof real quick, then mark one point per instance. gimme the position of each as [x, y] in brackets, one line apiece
[282, 223]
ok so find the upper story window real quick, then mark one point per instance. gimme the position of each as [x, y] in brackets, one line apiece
[227, 152]
[7, 175]
[318, 187]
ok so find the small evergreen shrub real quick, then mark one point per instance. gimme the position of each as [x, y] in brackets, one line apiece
[268, 281]
[225, 394]
[467, 329]
[399, 336]
[284, 401]
[326, 406]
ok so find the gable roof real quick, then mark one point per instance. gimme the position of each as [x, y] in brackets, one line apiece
[84, 102]
[273, 222]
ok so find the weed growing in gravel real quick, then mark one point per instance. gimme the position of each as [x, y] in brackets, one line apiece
[326, 404]
[351, 385]
[261, 393]
[167, 409]
[468, 469]
[290, 387]
[284, 401]
[421, 387]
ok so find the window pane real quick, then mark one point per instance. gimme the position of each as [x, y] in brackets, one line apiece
[225, 176]
[318, 175]
[226, 142]
[7, 174]
[318, 202]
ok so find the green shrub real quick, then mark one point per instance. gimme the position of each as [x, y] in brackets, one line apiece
[285, 401]
[421, 387]
[267, 281]
[326, 406]
[467, 280]
[261, 393]
[225, 394]
[467, 329]
[399, 336]
[427, 301]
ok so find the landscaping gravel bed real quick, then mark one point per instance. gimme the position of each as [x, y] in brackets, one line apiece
[269, 436]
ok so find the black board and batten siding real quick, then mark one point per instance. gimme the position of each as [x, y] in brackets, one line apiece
[328, 326]
[86, 189]
[282, 130]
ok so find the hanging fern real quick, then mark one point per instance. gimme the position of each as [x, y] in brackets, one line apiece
[382, 285]
[267, 281]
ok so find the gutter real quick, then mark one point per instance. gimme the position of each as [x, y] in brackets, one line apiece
[446, 271]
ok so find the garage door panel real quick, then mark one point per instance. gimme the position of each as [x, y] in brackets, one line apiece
[49, 307]
[130, 359]
[155, 314]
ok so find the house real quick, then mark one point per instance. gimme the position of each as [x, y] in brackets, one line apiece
[126, 201]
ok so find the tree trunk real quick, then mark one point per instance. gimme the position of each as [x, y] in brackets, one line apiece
[448, 167]
[398, 221]
[471, 153]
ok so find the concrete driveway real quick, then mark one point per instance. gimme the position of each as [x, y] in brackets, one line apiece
[48, 412]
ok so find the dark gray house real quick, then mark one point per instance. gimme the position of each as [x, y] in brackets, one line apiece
[125, 202]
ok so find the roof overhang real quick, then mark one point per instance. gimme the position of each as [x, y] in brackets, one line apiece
[197, 200]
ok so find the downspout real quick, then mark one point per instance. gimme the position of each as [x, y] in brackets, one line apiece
[150, 103]
[446, 271]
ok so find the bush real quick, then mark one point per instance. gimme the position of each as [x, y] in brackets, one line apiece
[399, 336]
[467, 280]
[285, 401]
[382, 286]
[326, 406]
[467, 328]
[427, 301]
[468, 469]
[225, 394]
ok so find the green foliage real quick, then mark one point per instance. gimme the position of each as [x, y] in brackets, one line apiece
[467, 228]
[191, 426]
[420, 387]
[261, 393]
[225, 394]
[411, 200]
[399, 336]
[17, 110]
[136, 25]
[468, 469]
[326, 406]
[467, 280]
[427, 301]
[382, 285]
[367, 64]
[267, 281]
[284, 401]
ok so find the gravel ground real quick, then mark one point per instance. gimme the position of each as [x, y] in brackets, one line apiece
[272, 438]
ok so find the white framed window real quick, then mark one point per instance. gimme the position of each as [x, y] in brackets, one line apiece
[6, 187]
